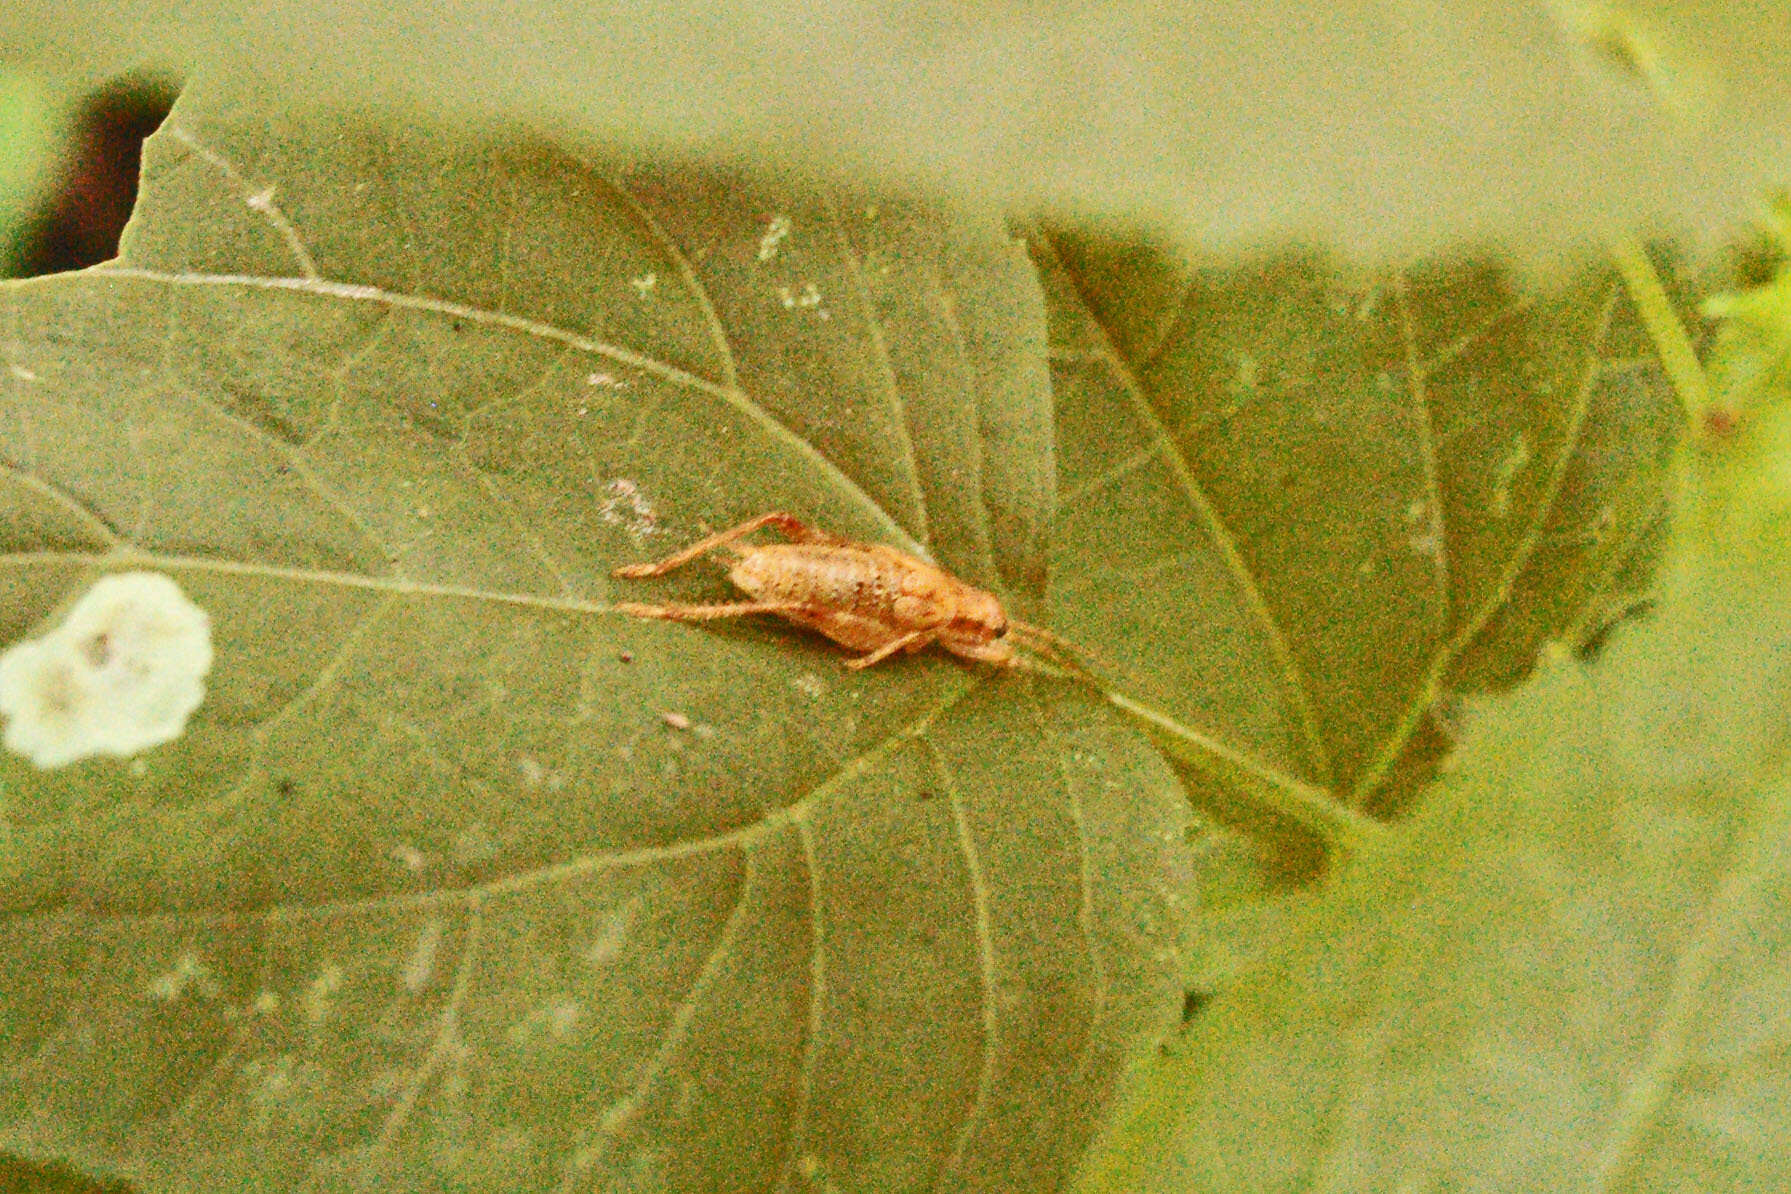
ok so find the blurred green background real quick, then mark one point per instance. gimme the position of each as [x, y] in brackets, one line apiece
[28, 142]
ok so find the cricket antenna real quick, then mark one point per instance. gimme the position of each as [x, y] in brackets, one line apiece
[1057, 650]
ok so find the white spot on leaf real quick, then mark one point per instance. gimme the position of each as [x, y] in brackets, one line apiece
[553, 1021]
[1514, 463]
[321, 994]
[562, 1018]
[188, 974]
[775, 232]
[627, 507]
[1427, 537]
[409, 857]
[807, 298]
[1245, 380]
[421, 964]
[612, 934]
[121, 674]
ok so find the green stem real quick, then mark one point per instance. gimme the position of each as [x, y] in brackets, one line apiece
[1671, 344]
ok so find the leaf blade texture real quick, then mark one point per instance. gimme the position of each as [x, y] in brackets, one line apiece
[1569, 975]
[1345, 494]
[458, 878]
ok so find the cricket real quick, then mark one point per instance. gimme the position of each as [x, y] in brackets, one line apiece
[867, 597]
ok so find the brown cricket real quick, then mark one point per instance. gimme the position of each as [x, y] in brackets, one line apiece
[867, 597]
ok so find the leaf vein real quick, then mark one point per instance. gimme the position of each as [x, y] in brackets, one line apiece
[1418, 386]
[1735, 894]
[622, 1114]
[1086, 915]
[740, 836]
[1111, 476]
[1449, 353]
[447, 1037]
[1427, 693]
[258, 199]
[879, 346]
[985, 951]
[811, 1051]
[1294, 685]
[730, 396]
[299, 463]
[532, 543]
[730, 367]
[61, 497]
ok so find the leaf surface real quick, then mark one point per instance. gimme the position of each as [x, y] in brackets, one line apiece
[1343, 494]
[459, 879]
[1569, 975]
[1225, 121]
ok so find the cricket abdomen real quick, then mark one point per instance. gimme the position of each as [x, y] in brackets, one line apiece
[879, 585]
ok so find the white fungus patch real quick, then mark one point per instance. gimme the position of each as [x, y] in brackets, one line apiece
[409, 857]
[807, 298]
[320, 997]
[626, 506]
[1515, 461]
[121, 674]
[552, 1022]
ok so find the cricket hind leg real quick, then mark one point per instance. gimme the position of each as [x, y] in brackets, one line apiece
[791, 527]
[914, 640]
[705, 613]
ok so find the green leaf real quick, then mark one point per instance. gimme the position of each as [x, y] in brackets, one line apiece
[1343, 495]
[1225, 121]
[458, 879]
[1568, 974]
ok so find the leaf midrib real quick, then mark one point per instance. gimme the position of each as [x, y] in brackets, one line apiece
[1426, 695]
[1163, 444]
[796, 810]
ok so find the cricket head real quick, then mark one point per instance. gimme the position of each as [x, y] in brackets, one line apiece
[979, 616]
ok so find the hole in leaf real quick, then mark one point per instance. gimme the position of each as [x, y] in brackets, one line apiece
[26, 1177]
[79, 221]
